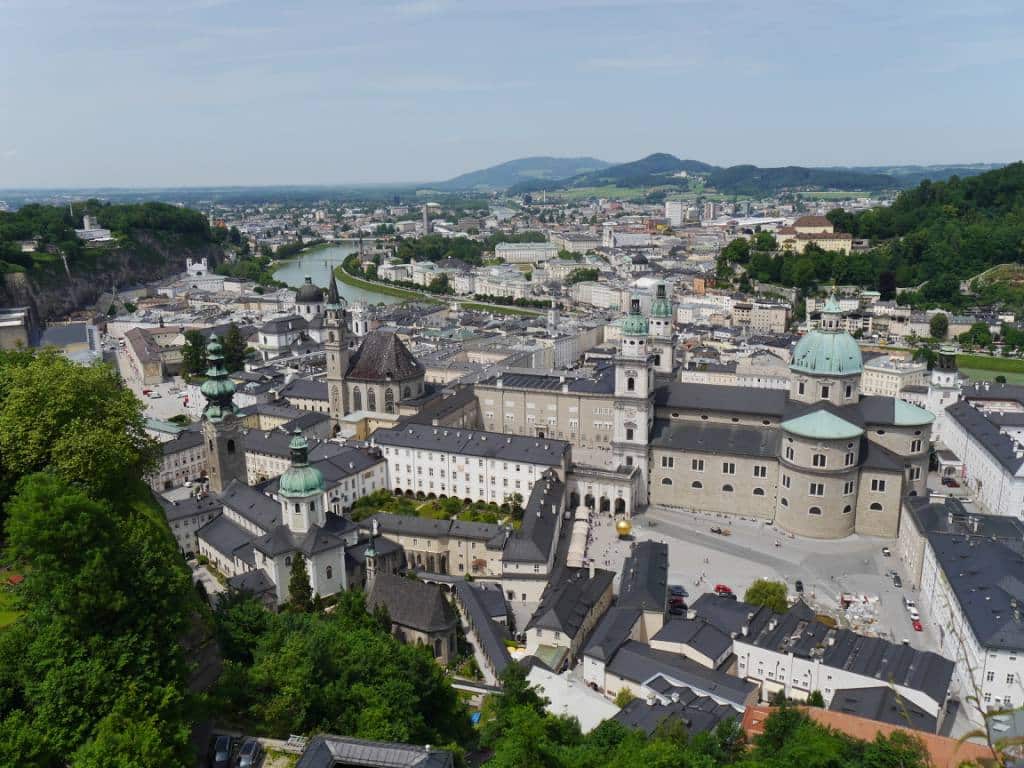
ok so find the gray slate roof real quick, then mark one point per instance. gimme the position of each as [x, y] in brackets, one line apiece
[251, 504]
[334, 751]
[611, 632]
[698, 714]
[698, 634]
[533, 541]
[884, 705]
[304, 389]
[383, 356]
[712, 397]
[798, 632]
[475, 601]
[412, 604]
[730, 616]
[190, 507]
[568, 599]
[477, 443]
[185, 440]
[1000, 446]
[715, 438]
[644, 581]
[639, 663]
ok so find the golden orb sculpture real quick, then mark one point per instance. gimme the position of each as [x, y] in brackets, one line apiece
[623, 528]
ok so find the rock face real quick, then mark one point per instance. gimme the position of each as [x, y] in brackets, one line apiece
[144, 257]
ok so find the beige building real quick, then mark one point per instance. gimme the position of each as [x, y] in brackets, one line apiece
[816, 230]
[888, 375]
[420, 614]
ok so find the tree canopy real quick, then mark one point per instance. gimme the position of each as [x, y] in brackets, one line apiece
[770, 593]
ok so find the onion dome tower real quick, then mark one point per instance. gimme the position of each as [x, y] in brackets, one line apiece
[222, 429]
[301, 489]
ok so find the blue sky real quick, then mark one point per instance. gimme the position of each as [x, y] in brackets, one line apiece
[204, 92]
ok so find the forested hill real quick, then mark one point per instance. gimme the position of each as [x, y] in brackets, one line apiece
[150, 241]
[522, 170]
[945, 231]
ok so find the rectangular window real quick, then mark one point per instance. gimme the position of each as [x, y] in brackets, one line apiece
[824, 392]
[915, 473]
[1010, 678]
[915, 446]
[878, 485]
[668, 462]
[848, 488]
[789, 452]
[818, 460]
[697, 465]
[800, 388]
[785, 481]
[816, 489]
[629, 434]
[760, 470]
[728, 468]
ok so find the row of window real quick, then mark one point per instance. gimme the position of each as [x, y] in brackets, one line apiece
[825, 390]
[698, 485]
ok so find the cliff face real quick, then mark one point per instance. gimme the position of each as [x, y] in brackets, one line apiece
[144, 257]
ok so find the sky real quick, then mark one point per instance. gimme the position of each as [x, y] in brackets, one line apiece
[138, 93]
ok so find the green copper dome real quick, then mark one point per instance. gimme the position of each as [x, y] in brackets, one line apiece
[635, 324]
[827, 354]
[218, 389]
[300, 479]
[661, 306]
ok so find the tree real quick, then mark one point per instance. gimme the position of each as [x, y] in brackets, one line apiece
[582, 275]
[938, 326]
[234, 349]
[623, 698]
[439, 284]
[770, 593]
[193, 354]
[815, 699]
[515, 505]
[300, 592]
[977, 336]
[1000, 379]
[78, 420]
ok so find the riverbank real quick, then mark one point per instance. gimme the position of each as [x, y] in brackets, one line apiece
[410, 295]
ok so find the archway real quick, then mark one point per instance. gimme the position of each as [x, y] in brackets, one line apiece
[398, 491]
[419, 495]
[620, 506]
[409, 493]
[588, 501]
[431, 495]
[467, 500]
[574, 500]
[443, 496]
[606, 505]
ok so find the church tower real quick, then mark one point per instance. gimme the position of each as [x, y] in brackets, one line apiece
[222, 429]
[634, 390]
[943, 388]
[301, 489]
[662, 343]
[336, 349]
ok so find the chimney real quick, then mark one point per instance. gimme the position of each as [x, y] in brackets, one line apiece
[772, 623]
[591, 569]
[744, 630]
[675, 697]
[691, 614]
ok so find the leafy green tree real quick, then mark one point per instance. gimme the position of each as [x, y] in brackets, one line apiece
[770, 593]
[193, 354]
[977, 336]
[816, 699]
[938, 326]
[234, 349]
[439, 284]
[582, 275]
[623, 698]
[300, 592]
[77, 419]
[515, 505]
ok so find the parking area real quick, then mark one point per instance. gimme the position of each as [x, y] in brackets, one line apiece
[700, 559]
[162, 400]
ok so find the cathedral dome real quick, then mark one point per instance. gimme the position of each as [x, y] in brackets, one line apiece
[309, 293]
[827, 354]
[300, 479]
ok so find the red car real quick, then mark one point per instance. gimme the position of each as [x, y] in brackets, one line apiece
[917, 625]
[721, 589]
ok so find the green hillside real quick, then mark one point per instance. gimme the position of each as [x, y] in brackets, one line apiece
[525, 169]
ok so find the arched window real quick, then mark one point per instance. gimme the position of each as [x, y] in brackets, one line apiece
[697, 484]
[847, 509]
[657, 359]
[371, 399]
[631, 384]
[818, 460]
[231, 446]
[666, 481]
[330, 572]
[784, 501]
[389, 400]
[759, 491]
[437, 648]
[298, 508]
[814, 511]
[876, 507]
[406, 392]
[726, 488]
[288, 560]
[357, 399]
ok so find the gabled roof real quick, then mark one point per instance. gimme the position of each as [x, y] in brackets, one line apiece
[333, 751]
[644, 581]
[569, 598]
[412, 604]
[381, 357]
[251, 504]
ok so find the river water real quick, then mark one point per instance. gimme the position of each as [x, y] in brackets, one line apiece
[318, 263]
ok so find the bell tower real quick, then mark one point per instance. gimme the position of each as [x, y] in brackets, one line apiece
[634, 391]
[336, 350]
[222, 429]
[662, 343]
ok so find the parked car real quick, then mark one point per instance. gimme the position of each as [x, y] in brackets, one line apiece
[676, 600]
[950, 482]
[721, 589]
[250, 755]
[914, 615]
[155, 396]
[677, 609]
[897, 581]
[917, 625]
[716, 529]
[727, 596]
[222, 752]
[799, 586]
[678, 590]
[147, 392]
[886, 552]
[909, 604]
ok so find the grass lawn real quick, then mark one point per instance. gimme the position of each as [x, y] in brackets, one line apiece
[979, 374]
[387, 290]
[993, 365]
[498, 309]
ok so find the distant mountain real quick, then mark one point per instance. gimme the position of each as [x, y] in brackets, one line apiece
[525, 169]
[653, 170]
[751, 180]
[912, 175]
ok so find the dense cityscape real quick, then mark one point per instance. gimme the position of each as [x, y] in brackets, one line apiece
[556, 462]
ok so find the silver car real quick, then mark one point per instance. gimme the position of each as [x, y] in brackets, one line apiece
[250, 755]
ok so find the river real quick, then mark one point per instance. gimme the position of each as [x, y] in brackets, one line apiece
[318, 264]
